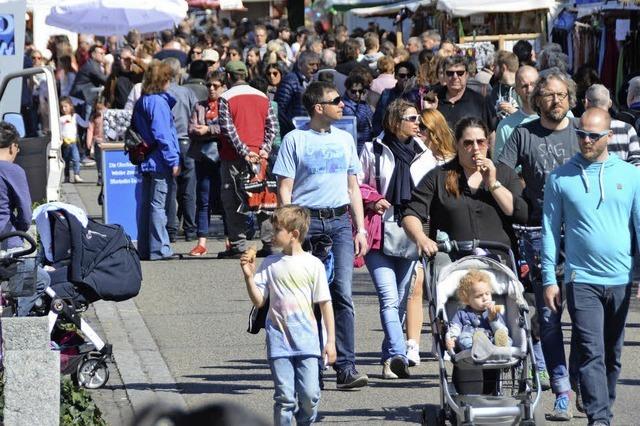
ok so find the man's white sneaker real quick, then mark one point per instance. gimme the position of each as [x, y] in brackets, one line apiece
[413, 352]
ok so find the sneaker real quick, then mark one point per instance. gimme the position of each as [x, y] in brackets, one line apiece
[88, 162]
[501, 338]
[77, 179]
[229, 254]
[386, 370]
[198, 250]
[561, 410]
[67, 180]
[351, 379]
[413, 352]
[400, 367]
[545, 380]
[599, 423]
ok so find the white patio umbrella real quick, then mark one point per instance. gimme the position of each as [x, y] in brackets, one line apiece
[117, 17]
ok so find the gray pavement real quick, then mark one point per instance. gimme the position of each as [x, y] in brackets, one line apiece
[195, 312]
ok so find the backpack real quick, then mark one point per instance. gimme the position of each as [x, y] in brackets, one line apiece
[134, 146]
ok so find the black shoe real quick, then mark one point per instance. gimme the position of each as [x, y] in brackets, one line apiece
[264, 252]
[351, 379]
[400, 367]
[174, 256]
[229, 254]
[172, 238]
[190, 237]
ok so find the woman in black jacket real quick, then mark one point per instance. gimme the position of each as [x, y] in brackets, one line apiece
[469, 197]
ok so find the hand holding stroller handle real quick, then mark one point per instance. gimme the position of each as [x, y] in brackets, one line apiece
[23, 252]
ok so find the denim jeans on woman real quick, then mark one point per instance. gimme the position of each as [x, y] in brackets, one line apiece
[391, 277]
[153, 239]
[594, 309]
[207, 195]
[71, 156]
[297, 390]
[339, 230]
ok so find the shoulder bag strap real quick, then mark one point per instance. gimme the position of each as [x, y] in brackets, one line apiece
[377, 152]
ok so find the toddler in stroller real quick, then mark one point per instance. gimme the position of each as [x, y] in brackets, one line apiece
[488, 384]
[480, 319]
[86, 261]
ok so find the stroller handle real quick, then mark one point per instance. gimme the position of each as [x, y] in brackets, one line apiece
[14, 253]
[456, 246]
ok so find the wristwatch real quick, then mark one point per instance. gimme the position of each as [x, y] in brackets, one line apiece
[363, 232]
[495, 186]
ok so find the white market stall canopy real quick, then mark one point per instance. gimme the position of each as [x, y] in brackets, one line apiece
[464, 8]
[391, 8]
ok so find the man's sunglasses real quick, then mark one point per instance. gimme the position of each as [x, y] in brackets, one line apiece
[459, 73]
[402, 75]
[216, 85]
[334, 101]
[357, 91]
[594, 136]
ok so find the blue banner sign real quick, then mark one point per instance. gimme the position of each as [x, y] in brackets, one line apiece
[122, 184]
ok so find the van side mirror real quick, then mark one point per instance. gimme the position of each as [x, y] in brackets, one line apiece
[17, 121]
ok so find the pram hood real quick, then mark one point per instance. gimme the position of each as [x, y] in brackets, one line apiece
[102, 258]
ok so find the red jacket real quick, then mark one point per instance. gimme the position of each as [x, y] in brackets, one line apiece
[247, 122]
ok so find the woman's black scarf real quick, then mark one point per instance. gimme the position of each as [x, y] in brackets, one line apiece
[400, 184]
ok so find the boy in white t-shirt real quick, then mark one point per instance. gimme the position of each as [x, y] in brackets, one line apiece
[294, 281]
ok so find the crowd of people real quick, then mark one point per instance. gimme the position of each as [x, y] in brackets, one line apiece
[442, 149]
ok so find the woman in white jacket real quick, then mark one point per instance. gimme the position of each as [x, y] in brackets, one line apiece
[403, 161]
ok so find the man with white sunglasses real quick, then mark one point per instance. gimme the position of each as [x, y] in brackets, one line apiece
[595, 198]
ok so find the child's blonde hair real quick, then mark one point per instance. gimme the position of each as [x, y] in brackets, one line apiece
[292, 217]
[468, 280]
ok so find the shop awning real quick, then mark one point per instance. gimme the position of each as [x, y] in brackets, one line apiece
[466, 7]
[344, 5]
[391, 9]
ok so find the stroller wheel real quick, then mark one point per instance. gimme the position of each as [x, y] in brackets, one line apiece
[92, 373]
[433, 415]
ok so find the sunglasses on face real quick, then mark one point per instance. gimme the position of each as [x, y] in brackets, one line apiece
[414, 118]
[216, 85]
[593, 136]
[334, 101]
[197, 52]
[357, 91]
[468, 143]
[459, 73]
[402, 75]
[423, 128]
[274, 73]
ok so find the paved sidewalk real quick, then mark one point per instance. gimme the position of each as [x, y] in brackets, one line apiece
[195, 312]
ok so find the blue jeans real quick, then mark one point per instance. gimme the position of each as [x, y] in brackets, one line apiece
[181, 199]
[151, 217]
[551, 335]
[71, 156]
[208, 193]
[594, 309]
[297, 390]
[391, 277]
[339, 230]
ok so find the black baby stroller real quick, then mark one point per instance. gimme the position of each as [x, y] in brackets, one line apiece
[498, 388]
[88, 264]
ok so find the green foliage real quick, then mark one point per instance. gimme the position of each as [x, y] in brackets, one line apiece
[76, 406]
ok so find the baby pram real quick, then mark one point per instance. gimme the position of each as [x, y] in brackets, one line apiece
[89, 263]
[498, 388]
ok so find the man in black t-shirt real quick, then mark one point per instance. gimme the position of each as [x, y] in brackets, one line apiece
[454, 100]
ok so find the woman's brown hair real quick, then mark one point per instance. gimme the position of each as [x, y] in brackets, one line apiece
[156, 77]
[393, 115]
[452, 184]
[440, 136]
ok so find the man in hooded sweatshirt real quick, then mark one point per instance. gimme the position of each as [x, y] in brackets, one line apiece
[595, 198]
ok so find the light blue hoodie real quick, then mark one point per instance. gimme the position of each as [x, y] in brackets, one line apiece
[599, 206]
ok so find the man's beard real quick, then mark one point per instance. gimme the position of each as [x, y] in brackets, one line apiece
[554, 115]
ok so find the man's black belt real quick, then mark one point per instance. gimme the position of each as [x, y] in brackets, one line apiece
[329, 213]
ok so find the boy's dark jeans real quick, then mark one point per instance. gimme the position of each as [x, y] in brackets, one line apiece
[594, 309]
